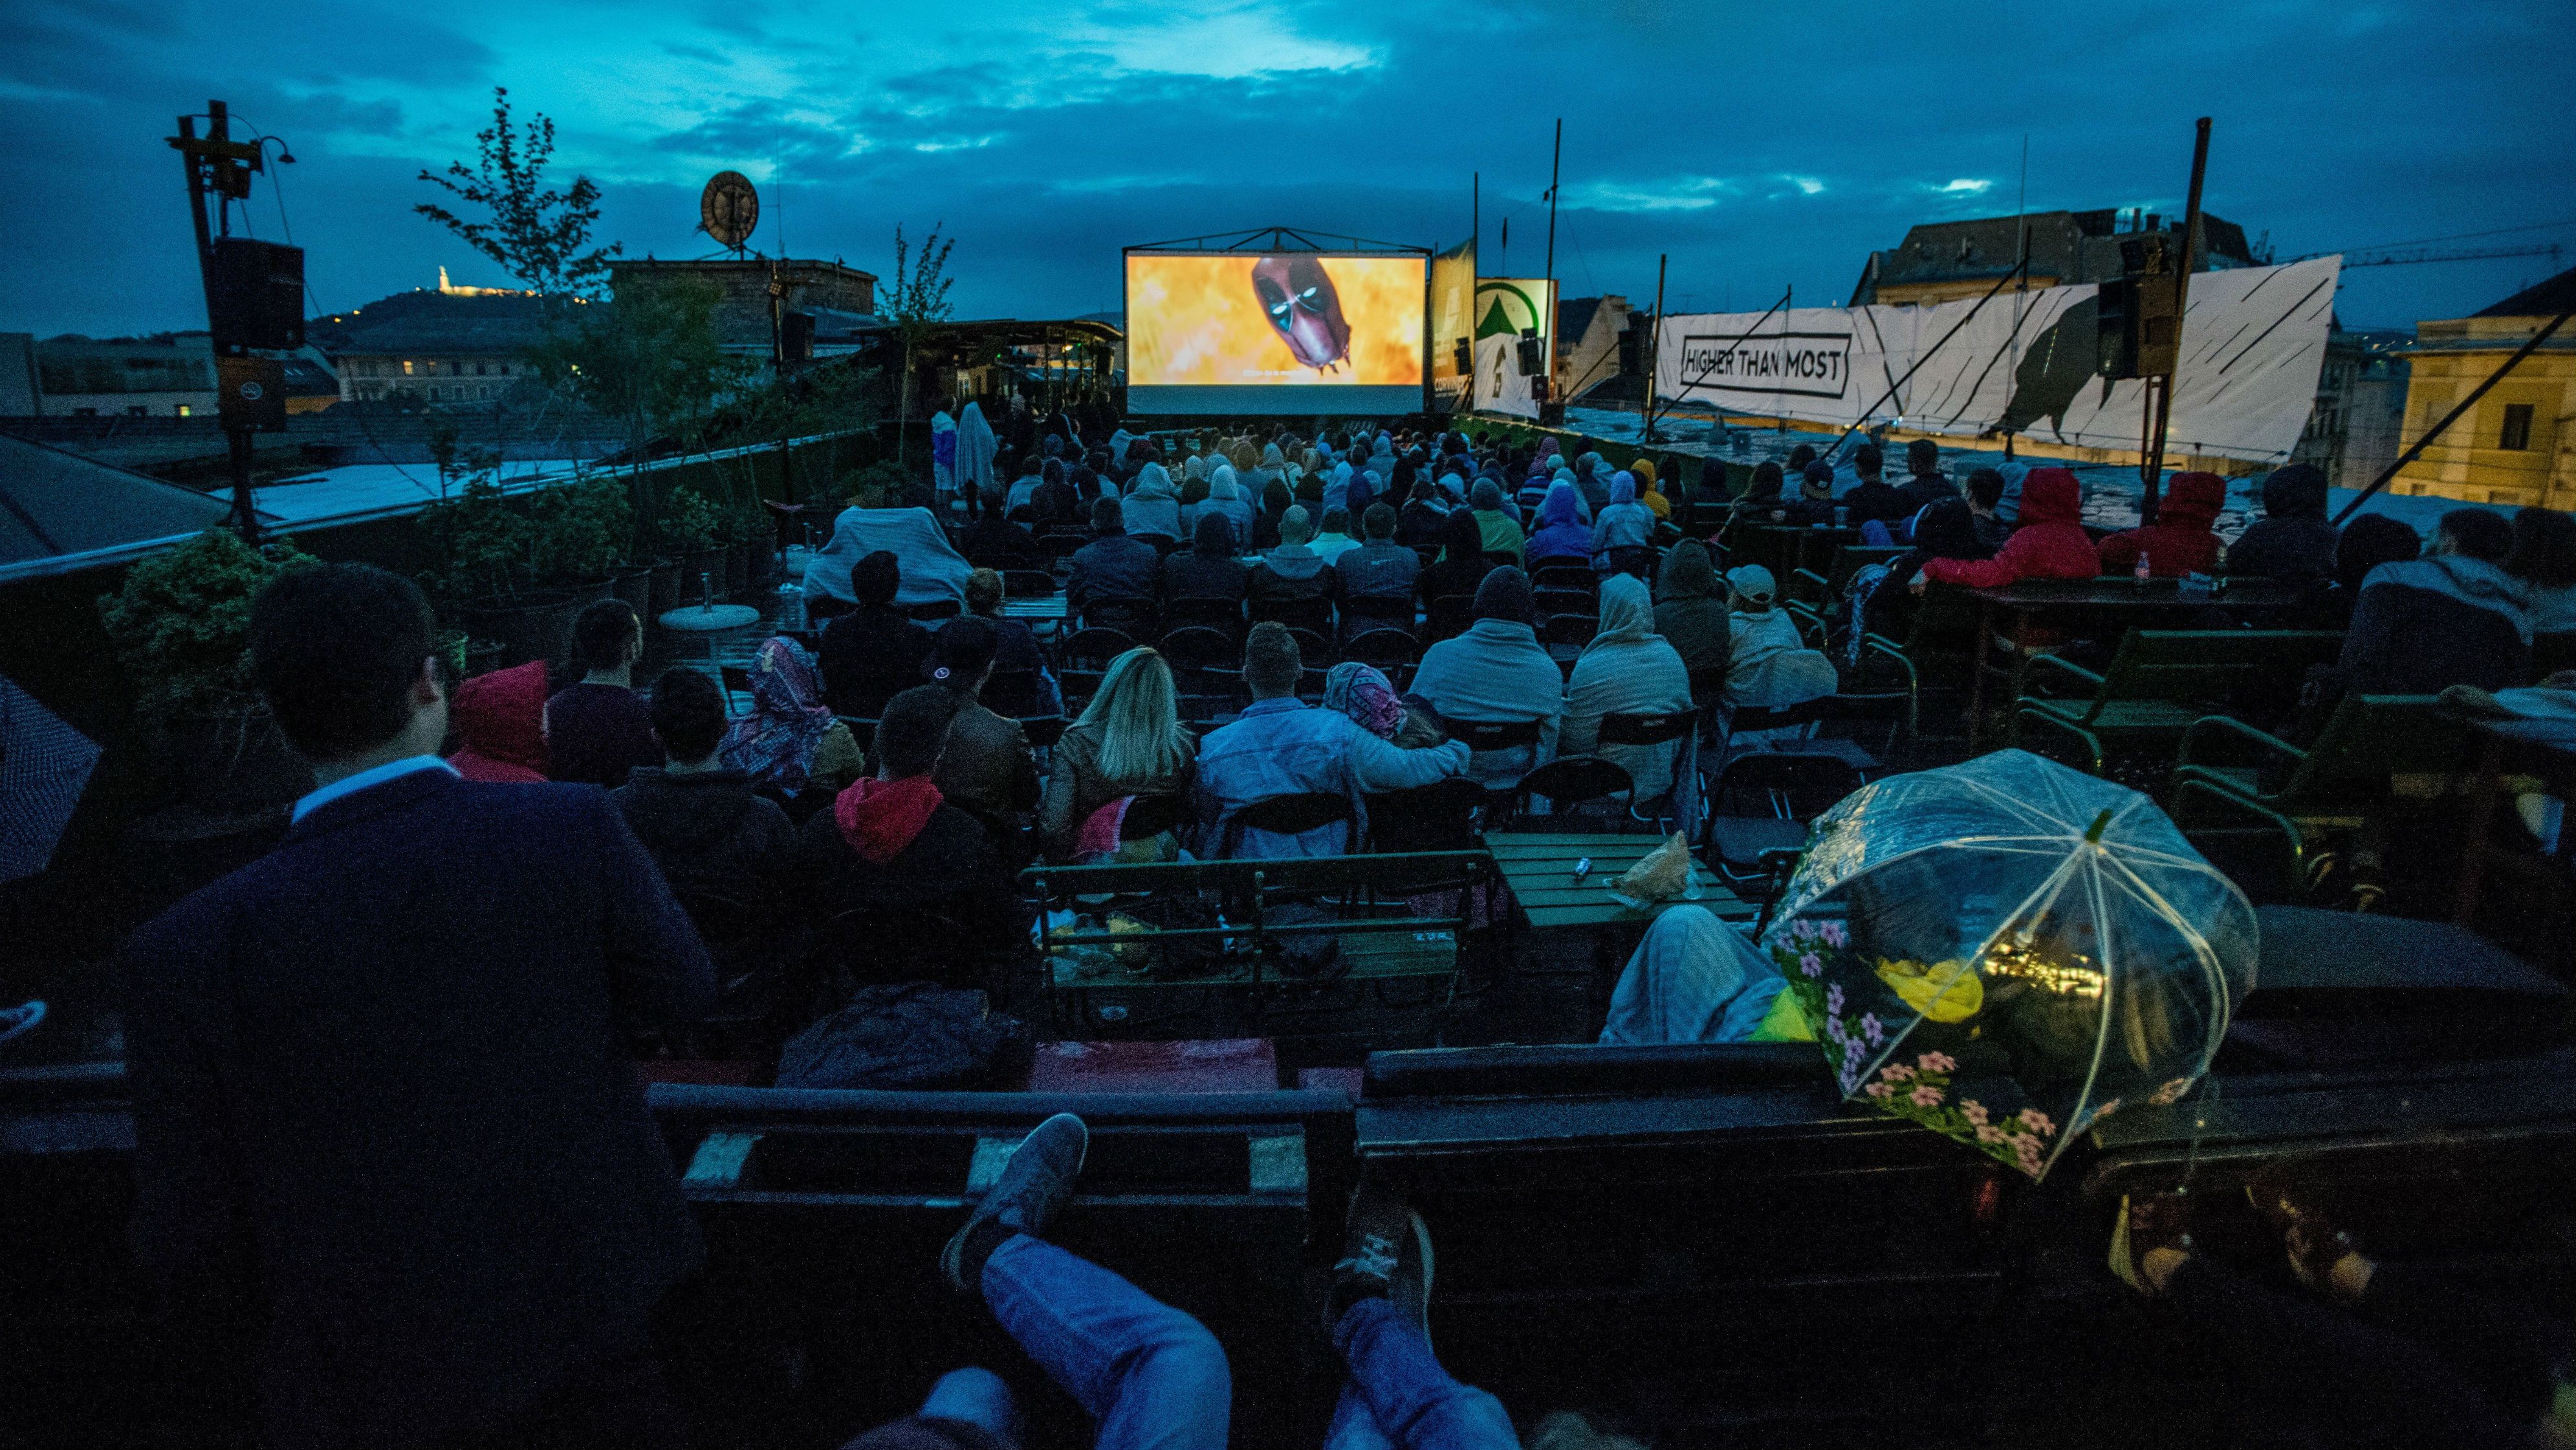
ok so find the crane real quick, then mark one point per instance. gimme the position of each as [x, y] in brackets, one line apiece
[2408, 256]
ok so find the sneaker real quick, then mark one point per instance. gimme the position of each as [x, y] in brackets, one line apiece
[1033, 1186]
[2156, 1221]
[1386, 1254]
[15, 1021]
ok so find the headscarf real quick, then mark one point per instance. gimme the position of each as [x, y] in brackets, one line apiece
[1627, 613]
[1540, 468]
[775, 743]
[1361, 692]
[1505, 595]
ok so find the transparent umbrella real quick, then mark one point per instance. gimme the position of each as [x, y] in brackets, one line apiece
[2006, 950]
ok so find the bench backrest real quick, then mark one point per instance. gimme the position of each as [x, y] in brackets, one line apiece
[2372, 737]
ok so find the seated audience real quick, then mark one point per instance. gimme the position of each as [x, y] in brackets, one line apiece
[599, 728]
[1461, 565]
[1023, 490]
[789, 743]
[500, 718]
[697, 814]
[1497, 673]
[892, 841]
[1280, 746]
[1293, 570]
[993, 541]
[1949, 528]
[2292, 540]
[1364, 693]
[1769, 666]
[1562, 536]
[1016, 649]
[1208, 568]
[1335, 539]
[987, 770]
[1379, 571]
[1112, 569]
[1129, 742]
[1225, 499]
[2361, 547]
[2180, 541]
[1927, 485]
[1694, 980]
[1650, 489]
[2453, 617]
[1276, 500]
[1628, 669]
[1623, 533]
[1815, 503]
[1054, 501]
[1496, 526]
[1761, 502]
[2049, 544]
[1873, 497]
[1690, 609]
[875, 651]
[1985, 500]
[1152, 509]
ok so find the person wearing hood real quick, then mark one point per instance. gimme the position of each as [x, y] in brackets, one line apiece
[1152, 509]
[1497, 673]
[1769, 666]
[789, 742]
[1690, 610]
[1650, 489]
[1293, 570]
[1273, 467]
[500, 718]
[1592, 480]
[1495, 523]
[1226, 500]
[987, 769]
[1623, 532]
[2453, 617]
[976, 446]
[697, 815]
[1336, 489]
[1628, 669]
[892, 841]
[1280, 745]
[2049, 544]
[1209, 567]
[874, 650]
[1561, 534]
[2180, 541]
[1693, 980]
[2292, 540]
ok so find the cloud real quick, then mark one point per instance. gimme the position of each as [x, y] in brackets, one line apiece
[1964, 186]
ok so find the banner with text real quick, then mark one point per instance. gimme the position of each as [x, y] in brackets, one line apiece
[2253, 339]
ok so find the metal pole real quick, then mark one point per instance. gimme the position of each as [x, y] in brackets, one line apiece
[1649, 345]
[1555, 167]
[2453, 416]
[2161, 415]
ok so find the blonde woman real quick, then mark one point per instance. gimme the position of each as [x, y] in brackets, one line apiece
[1129, 741]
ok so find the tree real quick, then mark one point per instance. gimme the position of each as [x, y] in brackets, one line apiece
[917, 303]
[538, 234]
[651, 359]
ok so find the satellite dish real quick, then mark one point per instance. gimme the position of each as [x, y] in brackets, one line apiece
[728, 209]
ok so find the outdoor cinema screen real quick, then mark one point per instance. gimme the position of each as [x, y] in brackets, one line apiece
[1294, 332]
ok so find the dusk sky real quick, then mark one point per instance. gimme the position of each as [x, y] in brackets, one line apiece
[1759, 145]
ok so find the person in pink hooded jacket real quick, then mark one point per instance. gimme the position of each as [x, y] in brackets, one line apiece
[500, 717]
[2050, 544]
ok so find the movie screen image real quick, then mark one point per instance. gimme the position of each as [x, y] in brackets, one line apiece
[1299, 332]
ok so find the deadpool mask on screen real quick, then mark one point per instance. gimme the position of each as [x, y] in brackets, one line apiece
[1297, 296]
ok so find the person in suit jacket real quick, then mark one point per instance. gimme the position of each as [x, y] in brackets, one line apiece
[387, 1144]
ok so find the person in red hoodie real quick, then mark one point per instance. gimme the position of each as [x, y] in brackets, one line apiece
[2179, 542]
[501, 720]
[941, 902]
[2050, 544]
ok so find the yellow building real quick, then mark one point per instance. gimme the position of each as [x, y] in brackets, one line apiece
[2518, 445]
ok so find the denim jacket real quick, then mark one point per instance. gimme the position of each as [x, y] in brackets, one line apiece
[1287, 747]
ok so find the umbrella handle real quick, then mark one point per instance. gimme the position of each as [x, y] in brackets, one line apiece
[2101, 823]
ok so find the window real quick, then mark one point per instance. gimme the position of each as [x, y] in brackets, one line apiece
[2516, 435]
[406, 367]
[186, 411]
[433, 395]
[478, 370]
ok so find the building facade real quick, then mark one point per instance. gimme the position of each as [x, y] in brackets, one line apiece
[2360, 411]
[844, 299]
[171, 375]
[1942, 260]
[2516, 447]
[454, 347]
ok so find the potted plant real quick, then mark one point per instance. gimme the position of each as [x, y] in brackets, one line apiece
[579, 531]
[487, 585]
[180, 628]
[693, 532]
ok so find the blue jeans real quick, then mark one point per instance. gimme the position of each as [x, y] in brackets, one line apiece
[1399, 1396]
[1153, 1376]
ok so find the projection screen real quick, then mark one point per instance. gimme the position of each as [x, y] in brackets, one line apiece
[1295, 332]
